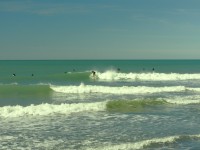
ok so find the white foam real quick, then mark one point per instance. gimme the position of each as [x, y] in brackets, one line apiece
[115, 90]
[142, 144]
[6, 138]
[49, 143]
[49, 109]
[14, 83]
[149, 76]
[183, 101]
[194, 89]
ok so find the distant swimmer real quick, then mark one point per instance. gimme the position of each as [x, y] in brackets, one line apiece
[13, 74]
[32, 74]
[118, 69]
[153, 69]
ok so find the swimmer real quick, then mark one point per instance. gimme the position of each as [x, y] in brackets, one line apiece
[14, 74]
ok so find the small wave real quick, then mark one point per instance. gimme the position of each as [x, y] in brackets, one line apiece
[14, 83]
[132, 105]
[6, 138]
[49, 109]
[77, 75]
[149, 76]
[183, 102]
[158, 142]
[108, 105]
[115, 90]
[144, 104]
[194, 89]
[9, 90]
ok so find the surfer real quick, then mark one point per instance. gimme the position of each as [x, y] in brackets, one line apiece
[93, 73]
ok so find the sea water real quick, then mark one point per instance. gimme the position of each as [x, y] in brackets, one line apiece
[127, 104]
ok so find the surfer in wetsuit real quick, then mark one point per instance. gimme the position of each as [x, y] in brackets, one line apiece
[93, 73]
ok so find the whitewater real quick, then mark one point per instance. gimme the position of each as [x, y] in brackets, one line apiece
[65, 106]
[148, 76]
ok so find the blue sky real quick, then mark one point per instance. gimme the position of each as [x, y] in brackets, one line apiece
[99, 29]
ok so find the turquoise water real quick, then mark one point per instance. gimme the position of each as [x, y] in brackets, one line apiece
[128, 104]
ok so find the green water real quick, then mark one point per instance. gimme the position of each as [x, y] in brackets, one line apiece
[127, 104]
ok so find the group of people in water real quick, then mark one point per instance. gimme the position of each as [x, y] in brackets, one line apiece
[93, 72]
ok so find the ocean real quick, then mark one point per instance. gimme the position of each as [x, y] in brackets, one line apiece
[125, 105]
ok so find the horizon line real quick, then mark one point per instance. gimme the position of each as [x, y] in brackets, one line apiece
[94, 59]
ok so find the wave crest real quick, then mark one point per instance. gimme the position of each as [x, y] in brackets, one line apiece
[148, 143]
[148, 76]
[49, 109]
[115, 90]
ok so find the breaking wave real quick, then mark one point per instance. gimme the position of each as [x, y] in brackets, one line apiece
[132, 105]
[49, 109]
[82, 88]
[151, 143]
[148, 76]
[108, 105]
[144, 105]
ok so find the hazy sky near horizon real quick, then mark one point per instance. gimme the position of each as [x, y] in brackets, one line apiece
[100, 29]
